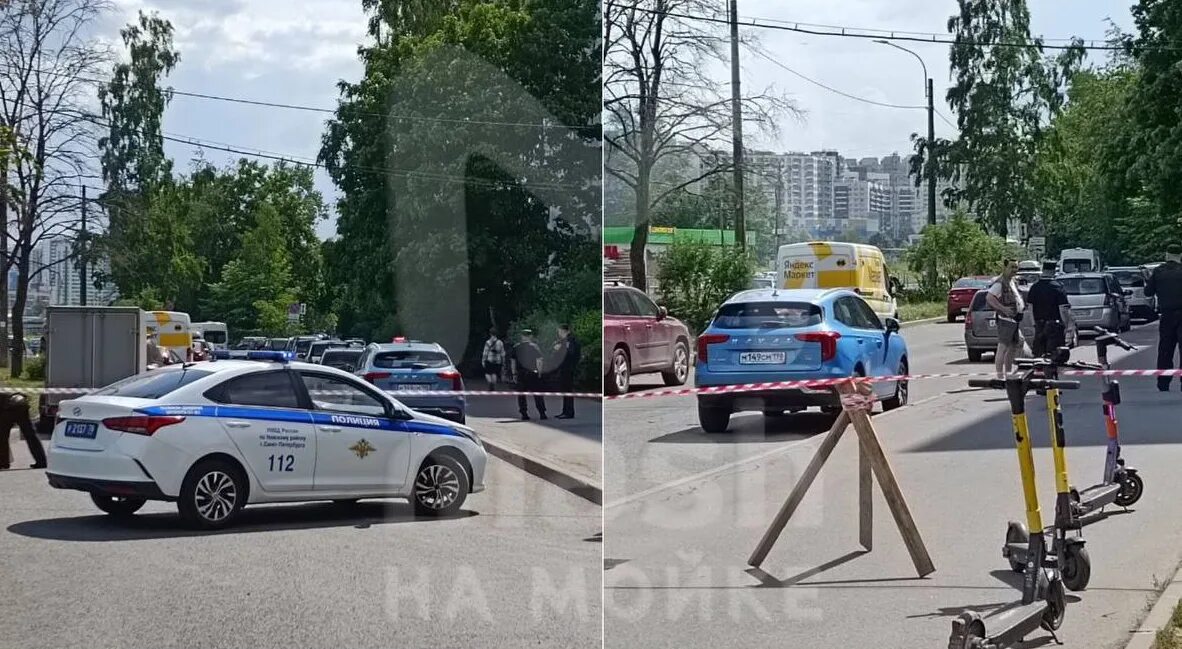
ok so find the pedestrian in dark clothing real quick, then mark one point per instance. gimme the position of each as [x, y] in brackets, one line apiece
[1166, 284]
[14, 409]
[527, 365]
[567, 350]
[1052, 312]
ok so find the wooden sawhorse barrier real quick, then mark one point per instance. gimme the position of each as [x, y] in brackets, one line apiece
[857, 399]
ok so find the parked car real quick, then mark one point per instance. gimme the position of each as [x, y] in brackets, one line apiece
[980, 327]
[299, 345]
[407, 366]
[278, 344]
[767, 335]
[962, 292]
[1133, 278]
[218, 436]
[640, 337]
[342, 358]
[317, 349]
[1098, 300]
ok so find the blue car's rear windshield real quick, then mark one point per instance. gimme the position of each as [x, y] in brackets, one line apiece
[755, 315]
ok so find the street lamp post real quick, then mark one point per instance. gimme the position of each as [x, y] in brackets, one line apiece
[931, 170]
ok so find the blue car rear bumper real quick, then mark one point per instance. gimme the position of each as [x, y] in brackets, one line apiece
[767, 399]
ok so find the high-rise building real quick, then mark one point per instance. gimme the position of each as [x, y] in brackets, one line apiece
[64, 282]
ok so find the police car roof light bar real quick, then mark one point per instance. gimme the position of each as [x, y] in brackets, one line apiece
[268, 355]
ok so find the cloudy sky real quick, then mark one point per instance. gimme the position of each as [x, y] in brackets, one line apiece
[285, 51]
[880, 73]
[294, 51]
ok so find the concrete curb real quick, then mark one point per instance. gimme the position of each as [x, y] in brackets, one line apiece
[577, 485]
[912, 323]
[1159, 615]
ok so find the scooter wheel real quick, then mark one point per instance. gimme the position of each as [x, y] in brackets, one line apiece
[968, 632]
[1075, 567]
[1017, 533]
[1056, 599]
[1131, 488]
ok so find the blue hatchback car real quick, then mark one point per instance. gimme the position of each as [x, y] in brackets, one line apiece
[410, 366]
[766, 335]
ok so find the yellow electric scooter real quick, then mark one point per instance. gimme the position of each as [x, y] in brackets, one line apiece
[1044, 602]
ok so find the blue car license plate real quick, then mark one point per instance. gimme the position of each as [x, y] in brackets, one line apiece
[83, 429]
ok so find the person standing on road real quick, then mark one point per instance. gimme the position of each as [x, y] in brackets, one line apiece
[1166, 284]
[568, 351]
[14, 409]
[1005, 300]
[527, 367]
[493, 359]
[1053, 323]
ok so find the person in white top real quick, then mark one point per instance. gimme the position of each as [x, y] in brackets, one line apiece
[1005, 300]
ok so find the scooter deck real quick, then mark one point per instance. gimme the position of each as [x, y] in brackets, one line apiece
[1096, 497]
[1011, 625]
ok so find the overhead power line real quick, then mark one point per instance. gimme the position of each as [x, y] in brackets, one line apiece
[315, 109]
[889, 35]
[310, 162]
[832, 89]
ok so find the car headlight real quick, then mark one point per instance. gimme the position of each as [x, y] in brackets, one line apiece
[470, 434]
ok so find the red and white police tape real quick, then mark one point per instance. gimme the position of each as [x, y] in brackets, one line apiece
[678, 392]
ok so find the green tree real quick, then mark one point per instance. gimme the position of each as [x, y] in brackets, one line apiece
[1002, 97]
[694, 278]
[393, 228]
[132, 153]
[257, 286]
[957, 248]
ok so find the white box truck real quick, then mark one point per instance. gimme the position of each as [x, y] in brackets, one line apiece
[86, 348]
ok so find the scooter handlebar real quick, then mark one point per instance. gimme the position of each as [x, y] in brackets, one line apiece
[1048, 384]
[993, 384]
[1035, 384]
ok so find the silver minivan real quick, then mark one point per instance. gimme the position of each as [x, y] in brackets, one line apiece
[1097, 300]
[1133, 278]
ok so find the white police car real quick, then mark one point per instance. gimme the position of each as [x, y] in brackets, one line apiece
[218, 435]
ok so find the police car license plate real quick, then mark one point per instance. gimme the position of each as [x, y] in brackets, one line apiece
[83, 429]
[762, 358]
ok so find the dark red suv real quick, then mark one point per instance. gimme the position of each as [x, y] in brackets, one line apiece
[640, 337]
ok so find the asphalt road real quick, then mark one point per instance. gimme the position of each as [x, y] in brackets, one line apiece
[524, 561]
[685, 509]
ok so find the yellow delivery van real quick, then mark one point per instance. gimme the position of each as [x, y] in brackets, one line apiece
[833, 264]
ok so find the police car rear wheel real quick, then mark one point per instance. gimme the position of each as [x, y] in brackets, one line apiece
[118, 506]
[212, 494]
[440, 487]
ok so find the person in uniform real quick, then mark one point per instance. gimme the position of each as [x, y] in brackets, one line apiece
[568, 352]
[1053, 323]
[527, 366]
[14, 409]
[1165, 283]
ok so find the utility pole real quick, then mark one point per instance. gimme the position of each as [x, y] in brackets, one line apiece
[779, 200]
[737, 125]
[83, 259]
[931, 156]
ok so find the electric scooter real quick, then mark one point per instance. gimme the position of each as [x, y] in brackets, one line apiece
[1121, 484]
[1044, 602]
[1067, 554]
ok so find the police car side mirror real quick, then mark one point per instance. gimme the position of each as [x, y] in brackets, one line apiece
[892, 325]
[394, 412]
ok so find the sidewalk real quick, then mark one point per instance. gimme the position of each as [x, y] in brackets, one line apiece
[568, 452]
